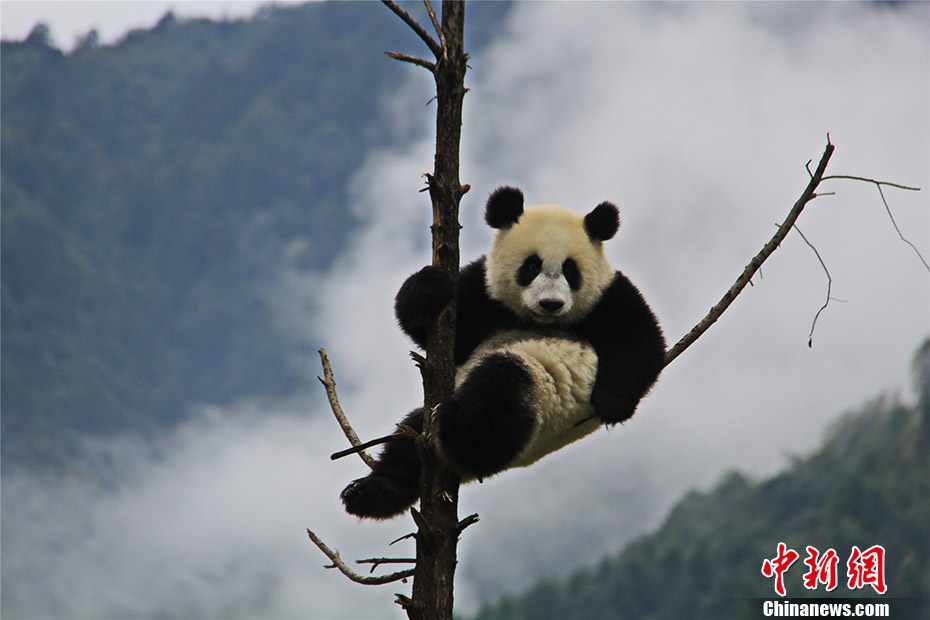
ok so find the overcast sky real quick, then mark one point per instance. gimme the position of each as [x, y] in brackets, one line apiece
[697, 120]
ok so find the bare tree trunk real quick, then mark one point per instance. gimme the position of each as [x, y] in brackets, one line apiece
[438, 526]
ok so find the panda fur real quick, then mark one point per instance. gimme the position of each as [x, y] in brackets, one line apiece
[551, 343]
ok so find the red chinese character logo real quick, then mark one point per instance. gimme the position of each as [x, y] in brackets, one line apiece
[867, 568]
[778, 565]
[822, 570]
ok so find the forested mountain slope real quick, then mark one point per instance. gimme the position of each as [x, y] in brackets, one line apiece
[152, 189]
[868, 485]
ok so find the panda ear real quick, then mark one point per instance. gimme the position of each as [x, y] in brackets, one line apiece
[504, 207]
[603, 222]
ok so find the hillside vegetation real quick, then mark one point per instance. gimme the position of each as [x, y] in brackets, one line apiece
[153, 189]
[868, 485]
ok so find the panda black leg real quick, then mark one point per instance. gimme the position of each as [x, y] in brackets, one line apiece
[394, 482]
[491, 418]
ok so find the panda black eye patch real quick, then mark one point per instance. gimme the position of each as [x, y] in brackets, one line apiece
[528, 271]
[571, 273]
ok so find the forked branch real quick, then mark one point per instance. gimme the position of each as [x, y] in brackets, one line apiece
[416, 27]
[368, 580]
[754, 265]
[810, 192]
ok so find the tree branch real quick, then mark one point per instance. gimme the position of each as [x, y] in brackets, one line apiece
[329, 382]
[416, 27]
[754, 265]
[878, 184]
[436, 26]
[351, 574]
[376, 562]
[850, 177]
[359, 449]
[467, 521]
[431, 67]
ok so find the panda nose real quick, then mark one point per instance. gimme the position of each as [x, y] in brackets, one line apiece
[551, 305]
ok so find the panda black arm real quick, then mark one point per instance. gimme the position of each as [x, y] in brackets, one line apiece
[477, 315]
[630, 350]
[420, 299]
[425, 293]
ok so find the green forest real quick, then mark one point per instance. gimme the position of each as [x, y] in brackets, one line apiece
[153, 189]
[705, 560]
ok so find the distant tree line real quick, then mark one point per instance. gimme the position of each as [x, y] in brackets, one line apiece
[869, 484]
[153, 189]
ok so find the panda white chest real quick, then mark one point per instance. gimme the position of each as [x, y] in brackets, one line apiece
[563, 372]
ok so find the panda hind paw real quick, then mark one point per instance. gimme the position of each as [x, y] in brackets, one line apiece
[378, 497]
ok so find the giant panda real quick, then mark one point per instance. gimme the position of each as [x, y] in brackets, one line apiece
[551, 343]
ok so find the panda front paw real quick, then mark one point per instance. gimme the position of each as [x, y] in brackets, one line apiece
[421, 298]
[430, 288]
[611, 407]
[379, 497]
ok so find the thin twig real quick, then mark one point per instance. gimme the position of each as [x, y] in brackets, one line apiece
[469, 520]
[436, 26]
[403, 432]
[416, 27]
[810, 337]
[404, 537]
[413, 60]
[881, 192]
[333, 555]
[756, 262]
[329, 382]
[851, 177]
[376, 562]
[418, 360]
[364, 446]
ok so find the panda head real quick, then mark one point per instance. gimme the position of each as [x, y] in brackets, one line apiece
[547, 262]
